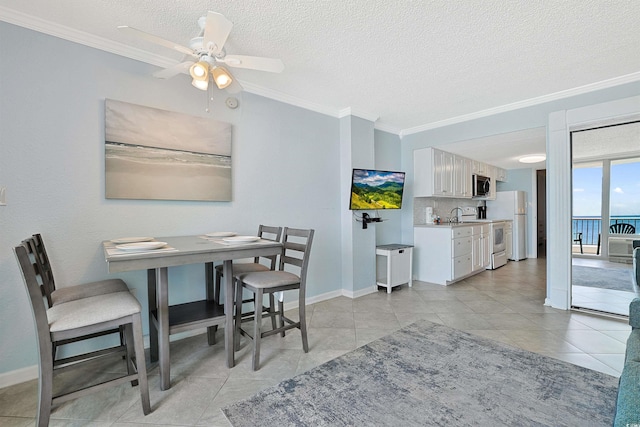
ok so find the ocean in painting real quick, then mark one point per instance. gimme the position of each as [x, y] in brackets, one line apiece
[141, 172]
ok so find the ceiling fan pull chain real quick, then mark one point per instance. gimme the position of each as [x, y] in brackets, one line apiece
[209, 96]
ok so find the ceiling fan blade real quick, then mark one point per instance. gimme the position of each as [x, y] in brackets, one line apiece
[167, 73]
[255, 63]
[216, 32]
[155, 39]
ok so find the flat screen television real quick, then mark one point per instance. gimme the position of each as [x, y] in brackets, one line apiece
[375, 189]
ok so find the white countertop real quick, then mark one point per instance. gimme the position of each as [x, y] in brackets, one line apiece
[461, 224]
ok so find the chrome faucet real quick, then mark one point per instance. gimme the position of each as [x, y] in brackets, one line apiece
[451, 217]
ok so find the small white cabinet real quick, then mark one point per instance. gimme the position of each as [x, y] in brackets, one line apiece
[393, 265]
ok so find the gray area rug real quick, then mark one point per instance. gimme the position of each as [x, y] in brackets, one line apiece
[432, 375]
[605, 278]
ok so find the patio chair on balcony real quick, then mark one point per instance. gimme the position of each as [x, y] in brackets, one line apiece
[577, 238]
[618, 228]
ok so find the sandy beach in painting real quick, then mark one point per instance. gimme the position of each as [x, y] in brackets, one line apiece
[140, 172]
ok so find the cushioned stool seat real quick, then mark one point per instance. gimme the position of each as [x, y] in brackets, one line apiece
[88, 311]
[87, 290]
[259, 280]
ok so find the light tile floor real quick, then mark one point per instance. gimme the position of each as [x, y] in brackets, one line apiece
[607, 300]
[504, 305]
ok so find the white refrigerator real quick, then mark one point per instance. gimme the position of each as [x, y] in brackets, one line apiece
[512, 205]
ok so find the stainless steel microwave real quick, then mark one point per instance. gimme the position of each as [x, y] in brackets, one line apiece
[481, 186]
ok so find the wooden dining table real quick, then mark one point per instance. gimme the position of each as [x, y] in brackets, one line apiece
[166, 319]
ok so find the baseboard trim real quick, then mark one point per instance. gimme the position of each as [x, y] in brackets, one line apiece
[361, 292]
[31, 372]
[18, 376]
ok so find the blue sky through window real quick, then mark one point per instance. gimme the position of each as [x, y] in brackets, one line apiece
[625, 189]
[587, 191]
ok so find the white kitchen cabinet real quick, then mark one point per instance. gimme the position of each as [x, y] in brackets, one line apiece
[443, 253]
[508, 238]
[501, 174]
[487, 248]
[443, 173]
[433, 173]
[438, 173]
[480, 255]
[492, 172]
[480, 168]
[462, 177]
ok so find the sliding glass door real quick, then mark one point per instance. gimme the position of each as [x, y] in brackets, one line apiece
[587, 207]
[605, 217]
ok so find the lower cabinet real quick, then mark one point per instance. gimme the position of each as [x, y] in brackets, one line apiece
[508, 238]
[443, 254]
[481, 256]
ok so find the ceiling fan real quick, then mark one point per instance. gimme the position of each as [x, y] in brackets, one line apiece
[206, 55]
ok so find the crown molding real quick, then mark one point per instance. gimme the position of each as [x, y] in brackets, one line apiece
[349, 111]
[81, 37]
[43, 26]
[580, 90]
[288, 99]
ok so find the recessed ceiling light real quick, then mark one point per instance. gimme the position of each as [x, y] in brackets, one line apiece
[534, 158]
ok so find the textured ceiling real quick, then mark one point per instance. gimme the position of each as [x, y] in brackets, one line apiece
[412, 65]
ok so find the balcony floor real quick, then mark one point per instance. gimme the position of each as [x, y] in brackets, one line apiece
[607, 300]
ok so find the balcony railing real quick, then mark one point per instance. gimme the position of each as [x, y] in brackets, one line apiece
[590, 227]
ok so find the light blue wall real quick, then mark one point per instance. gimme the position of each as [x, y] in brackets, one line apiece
[361, 140]
[52, 163]
[387, 153]
[517, 179]
[521, 119]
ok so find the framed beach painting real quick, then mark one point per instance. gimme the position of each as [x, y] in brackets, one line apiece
[155, 154]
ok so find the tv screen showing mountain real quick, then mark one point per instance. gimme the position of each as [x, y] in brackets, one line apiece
[375, 189]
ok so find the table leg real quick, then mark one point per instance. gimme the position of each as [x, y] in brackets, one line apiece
[153, 305]
[162, 280]
[209, 278]
[229, 344]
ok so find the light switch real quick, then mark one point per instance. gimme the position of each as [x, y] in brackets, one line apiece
[3, 196]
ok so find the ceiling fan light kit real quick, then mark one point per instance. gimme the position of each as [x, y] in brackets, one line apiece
[199, 70]
[200, 84]
[222, 77]
[208, 53]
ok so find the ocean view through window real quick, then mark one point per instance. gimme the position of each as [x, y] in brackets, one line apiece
[623, 192]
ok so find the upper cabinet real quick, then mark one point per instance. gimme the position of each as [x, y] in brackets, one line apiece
[433, 171]
[501, 174]
[462, 171]
[442, 174]
[480, 168]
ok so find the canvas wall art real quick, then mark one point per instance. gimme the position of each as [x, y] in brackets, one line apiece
[163, 155]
